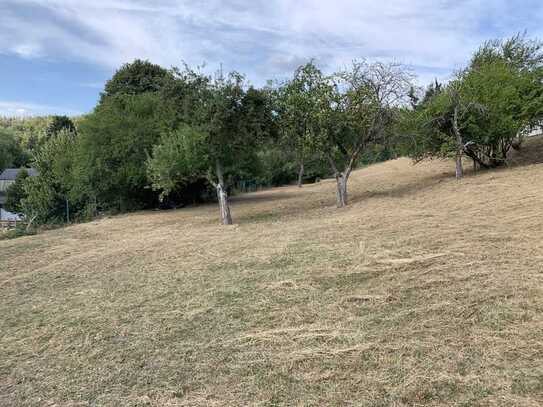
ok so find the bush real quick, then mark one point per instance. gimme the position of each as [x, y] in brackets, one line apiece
[16, 193]
[47, 197]
[11, 153]
[114, 144]
[19, 231]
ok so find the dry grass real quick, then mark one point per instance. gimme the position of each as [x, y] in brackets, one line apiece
[424, 291]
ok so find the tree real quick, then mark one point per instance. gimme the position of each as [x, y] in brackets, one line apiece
[46, 197]
[58, 124]
[113, 144]
[356, 106]
[221, 124]
[440, 126]
[15, 193]
[178, 159]
[297, 107]
[11, 153]
[519, 52]
[502, 92]
[485, 109]
[135, 78]
[434, 89]
[27, 130]
[506, 76]
[458, 107]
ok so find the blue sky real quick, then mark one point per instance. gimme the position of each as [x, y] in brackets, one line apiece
[55, 55]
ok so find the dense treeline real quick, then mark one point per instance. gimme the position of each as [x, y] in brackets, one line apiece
[179, 136]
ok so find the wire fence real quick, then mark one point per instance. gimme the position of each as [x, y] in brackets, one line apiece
[10, 224]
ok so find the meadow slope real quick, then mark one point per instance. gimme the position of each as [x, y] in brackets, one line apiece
[424, 291]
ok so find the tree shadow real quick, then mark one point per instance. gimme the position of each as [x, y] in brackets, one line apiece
[407, 188]
[530, 153]
[263, 197]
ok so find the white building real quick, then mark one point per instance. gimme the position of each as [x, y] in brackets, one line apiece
[7, 177]
[6, 215]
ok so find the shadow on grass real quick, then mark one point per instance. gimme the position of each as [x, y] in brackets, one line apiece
[402, 190]
[530, 153]
[263, 197]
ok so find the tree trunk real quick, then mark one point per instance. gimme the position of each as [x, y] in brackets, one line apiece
[224, 207]
[459, 169]
[341, 180]
[222, 197]
[459, 146]
[30, 222]
[301, 175]
[476, 159]
[67, 211]
[341, 195]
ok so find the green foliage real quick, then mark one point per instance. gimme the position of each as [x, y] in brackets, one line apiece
[28, 131]
[46, 196]
[135, 78]
[428, 129]
[497, 99]
[501, 90]
[341, 118]
[159, 135]
[376, 153]
[114, 144]
[19, 231]
[58, 124]
[356, 108]
[278, 166]
[226, 119]
[11, 153]
[297, 108]
[216, 117]
[16, 193]
[178, 159]
[519, 52]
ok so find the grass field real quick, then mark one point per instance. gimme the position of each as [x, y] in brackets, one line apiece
[424, 291]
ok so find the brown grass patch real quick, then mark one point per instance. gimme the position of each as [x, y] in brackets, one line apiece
[424, 291]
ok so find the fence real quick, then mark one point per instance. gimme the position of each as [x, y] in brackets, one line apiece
[9, 224]
[247, 186]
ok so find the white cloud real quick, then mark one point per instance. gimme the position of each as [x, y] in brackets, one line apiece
[262, 38]
[24, 109]
[27, 50]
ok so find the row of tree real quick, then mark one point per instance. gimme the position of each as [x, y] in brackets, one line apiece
[182, 134]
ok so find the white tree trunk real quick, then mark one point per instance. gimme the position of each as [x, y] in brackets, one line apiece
[30, 222]
[459, 169]
[222, 197]
[224, 207]
[301, 175]
[341, 194]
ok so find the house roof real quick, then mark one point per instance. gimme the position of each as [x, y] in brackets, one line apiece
[9, 174]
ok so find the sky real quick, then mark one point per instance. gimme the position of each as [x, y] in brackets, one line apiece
[56, 55]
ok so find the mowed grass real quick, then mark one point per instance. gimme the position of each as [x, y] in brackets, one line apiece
[425, 291]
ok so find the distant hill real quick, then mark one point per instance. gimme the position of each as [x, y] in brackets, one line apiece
[27, 127]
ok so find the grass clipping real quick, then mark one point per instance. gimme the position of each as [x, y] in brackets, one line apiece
[425, 291]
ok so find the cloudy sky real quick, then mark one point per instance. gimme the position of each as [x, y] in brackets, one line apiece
[55, 55]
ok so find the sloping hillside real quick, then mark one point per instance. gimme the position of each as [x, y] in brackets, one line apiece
[424, 291]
